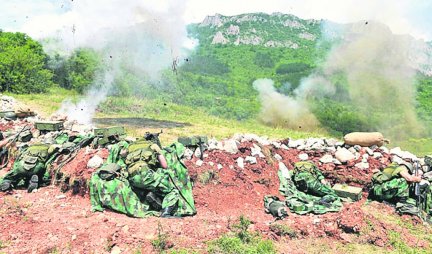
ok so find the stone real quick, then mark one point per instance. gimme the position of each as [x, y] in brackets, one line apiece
[384, 149]
[219, 166]
[330, 149]
[330, 142]
[251, 160]
[283, 146]
[240, 162]
[343, 155]
[295, 143]
[338, 144]
[212, 144]
[365, 157]
[188, 153]
[197, 153]
[74, 237]
[116, 250]
[278, 157]
[199, 163]
[369, 151]
[357, 148]
[256, 151]
[230, 146]
[377, 155]
[211, 163]
[95, 162]
[284, 170]
[276, 144]
[336, 162]
[403, 154]
[62, 196]
[362, 165]
[326, 159]
[303, 156]
[352, 150]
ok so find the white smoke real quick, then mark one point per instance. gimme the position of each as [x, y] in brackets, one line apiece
[134, 37]
[378, 69]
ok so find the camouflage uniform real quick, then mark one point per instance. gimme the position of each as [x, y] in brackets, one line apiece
[109, 189]
[171, 184]
[389, 185]
[115, 154]
[178, 180]
[304, 192]
[32, 161]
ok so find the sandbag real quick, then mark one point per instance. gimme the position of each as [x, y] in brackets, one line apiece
[365, 139]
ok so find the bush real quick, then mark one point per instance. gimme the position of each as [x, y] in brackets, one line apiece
[292, 67]
[22, 64]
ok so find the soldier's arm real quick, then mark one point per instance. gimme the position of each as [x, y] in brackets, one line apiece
[410, 178]
[162, 161]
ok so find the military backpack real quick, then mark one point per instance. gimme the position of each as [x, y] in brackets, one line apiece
[33, 155]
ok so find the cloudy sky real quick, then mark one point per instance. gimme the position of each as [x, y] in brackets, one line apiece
[41, 18]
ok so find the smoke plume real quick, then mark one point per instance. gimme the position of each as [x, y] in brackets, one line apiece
[133, 38]
[378, 70]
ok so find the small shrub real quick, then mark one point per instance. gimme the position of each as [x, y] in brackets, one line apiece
[241, 229]
[161, 243]
[207, 176]
[283, 230]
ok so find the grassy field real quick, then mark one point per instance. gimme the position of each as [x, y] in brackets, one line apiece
[191, 121]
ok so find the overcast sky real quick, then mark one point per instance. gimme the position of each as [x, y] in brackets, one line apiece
[42, 18]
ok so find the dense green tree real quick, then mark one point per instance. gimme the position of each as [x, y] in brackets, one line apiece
[23, 64]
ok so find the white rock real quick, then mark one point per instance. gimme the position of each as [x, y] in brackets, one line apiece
[343, 155]
[352, 150]
[384, 149]
[62, 196]
[95, 162]
[199, 163]
[188, 153]
[362, 165]
[240, 162]
[303, 156]
[283, 146]
[330, 142]
[336, 162]
[377, 155]
[230, 146]
[251, 160]
[219, 166]
[211, 163]
[278, 157]
[276, 144]
[369, 151]
[256, 151]
[365, 157]
[357, 148]
[301, 147]
[295, 143]
[403, 154]
[197, 153]
[116, 250]
[338, 144]
[212, 144]
[326, 159]
[284, 170]
[330, 149]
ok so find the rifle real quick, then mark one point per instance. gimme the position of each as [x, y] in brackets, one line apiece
[417, 191]
[153, 137]
[4, 152]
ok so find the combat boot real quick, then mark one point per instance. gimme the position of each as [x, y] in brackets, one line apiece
[5, 185]
[168, 212]
[154, 201]
[34, 183]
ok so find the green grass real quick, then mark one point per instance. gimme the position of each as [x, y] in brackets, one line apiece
[200, 122]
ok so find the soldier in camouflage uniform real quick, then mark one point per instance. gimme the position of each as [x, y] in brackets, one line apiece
[30, 166]
[392, 185]
[305, 191]
[110, 189]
